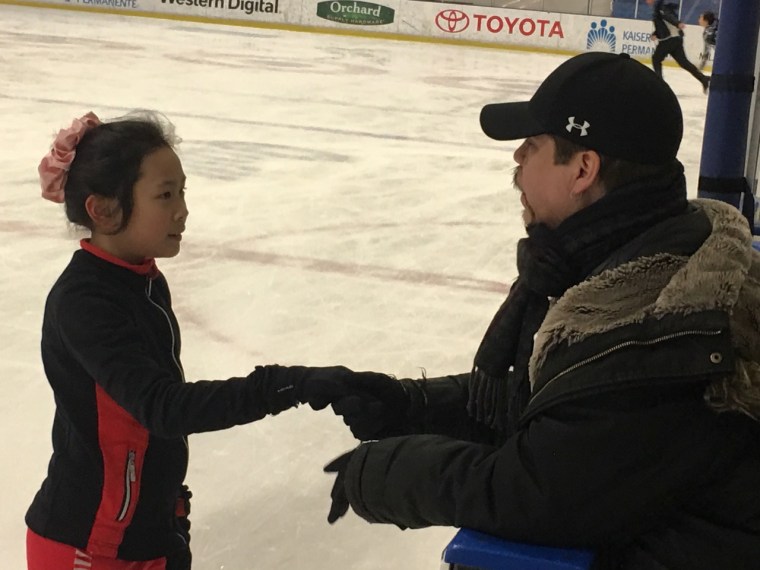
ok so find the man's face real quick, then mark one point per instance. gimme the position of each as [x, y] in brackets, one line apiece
[545, 187]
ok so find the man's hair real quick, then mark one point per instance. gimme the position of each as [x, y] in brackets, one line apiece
[613, 172]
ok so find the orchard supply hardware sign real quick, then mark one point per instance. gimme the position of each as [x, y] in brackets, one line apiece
[454, 21]
[355, 12]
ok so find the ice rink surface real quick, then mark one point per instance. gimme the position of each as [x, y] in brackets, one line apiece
[345, 208]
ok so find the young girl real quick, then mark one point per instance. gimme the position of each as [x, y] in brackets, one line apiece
[114, 497]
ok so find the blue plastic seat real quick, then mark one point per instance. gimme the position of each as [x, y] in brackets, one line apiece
[470, 549]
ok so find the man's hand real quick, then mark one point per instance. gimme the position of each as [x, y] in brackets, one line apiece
[339, 506]
[372, 405]
[381, 406]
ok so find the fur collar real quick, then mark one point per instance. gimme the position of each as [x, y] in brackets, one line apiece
[723, 274]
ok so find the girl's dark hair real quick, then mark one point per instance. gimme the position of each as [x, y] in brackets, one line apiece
[108, 159]
[613, 172]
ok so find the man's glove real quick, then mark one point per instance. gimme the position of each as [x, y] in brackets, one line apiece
[339, 506]
[330, 385]
[381, 406]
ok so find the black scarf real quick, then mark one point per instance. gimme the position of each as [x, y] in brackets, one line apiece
[549, 262]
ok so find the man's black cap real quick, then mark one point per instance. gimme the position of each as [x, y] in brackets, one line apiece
[606, 102]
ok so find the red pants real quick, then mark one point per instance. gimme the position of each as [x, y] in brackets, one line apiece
[45, 554]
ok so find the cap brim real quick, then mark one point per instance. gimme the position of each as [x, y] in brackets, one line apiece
[509, 121]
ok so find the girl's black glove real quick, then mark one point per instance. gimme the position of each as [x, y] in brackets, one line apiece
[284, 387]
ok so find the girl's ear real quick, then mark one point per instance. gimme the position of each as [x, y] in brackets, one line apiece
[105, 213]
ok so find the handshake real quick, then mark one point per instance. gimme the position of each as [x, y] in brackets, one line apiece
[373, 406]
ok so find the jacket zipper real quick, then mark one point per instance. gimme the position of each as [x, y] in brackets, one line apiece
[130, 476]
[148, 291]
[625, 344]
[169, 321]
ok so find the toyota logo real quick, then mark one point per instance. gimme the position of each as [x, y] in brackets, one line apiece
[452, 21]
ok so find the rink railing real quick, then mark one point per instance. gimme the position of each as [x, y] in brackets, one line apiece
[409, 20]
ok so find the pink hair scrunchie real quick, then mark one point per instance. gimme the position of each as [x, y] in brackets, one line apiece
[54, 167]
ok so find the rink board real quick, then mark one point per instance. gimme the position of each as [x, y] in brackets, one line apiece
[406, 19]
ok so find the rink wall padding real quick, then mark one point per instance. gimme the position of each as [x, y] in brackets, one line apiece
[411, 20]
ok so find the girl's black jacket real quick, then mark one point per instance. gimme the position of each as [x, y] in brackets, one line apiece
[111, 352]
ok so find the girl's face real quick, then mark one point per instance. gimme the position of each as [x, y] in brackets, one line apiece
[159, 212]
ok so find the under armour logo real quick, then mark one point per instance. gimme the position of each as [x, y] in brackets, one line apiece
[571, 124]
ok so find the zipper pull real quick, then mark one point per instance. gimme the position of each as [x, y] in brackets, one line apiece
[131, 470]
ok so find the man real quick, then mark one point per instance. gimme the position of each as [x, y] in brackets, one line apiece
[612, 403]
[668, 33]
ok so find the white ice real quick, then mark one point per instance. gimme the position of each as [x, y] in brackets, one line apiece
[345, 209]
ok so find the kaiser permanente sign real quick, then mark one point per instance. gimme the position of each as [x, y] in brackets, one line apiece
[548, 31]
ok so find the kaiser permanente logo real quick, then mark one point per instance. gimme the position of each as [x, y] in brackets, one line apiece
[355, 12]
[601, 38]
[247, 6]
